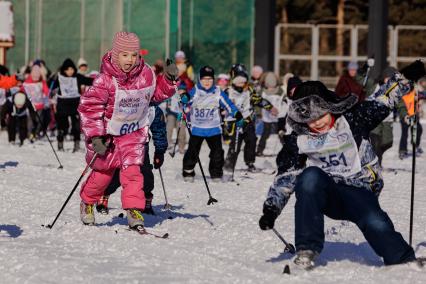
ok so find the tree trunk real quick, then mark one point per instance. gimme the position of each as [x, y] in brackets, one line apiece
[339, 35]
[286, 38]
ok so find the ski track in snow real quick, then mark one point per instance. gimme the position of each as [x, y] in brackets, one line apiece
[220, 243]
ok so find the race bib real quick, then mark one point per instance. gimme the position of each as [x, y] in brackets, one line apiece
[34, 92]
[174, 103]
[205, 110]
[130, 110]
[68, 86]
[335, 152]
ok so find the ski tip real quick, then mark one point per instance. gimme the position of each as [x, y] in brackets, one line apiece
[286, 269]
[165, 236]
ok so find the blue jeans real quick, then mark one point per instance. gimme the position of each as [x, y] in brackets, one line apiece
[317, 195]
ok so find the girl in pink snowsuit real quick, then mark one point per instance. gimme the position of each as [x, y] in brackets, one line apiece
[114, 120]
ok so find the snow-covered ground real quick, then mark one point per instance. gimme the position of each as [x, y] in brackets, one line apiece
[219, 243]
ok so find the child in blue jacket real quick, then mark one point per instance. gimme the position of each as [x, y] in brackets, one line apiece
[204, 103]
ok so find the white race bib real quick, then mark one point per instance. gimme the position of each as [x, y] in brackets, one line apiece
[2, 96]
[205, 109]
[69, 87]
[131, 109]
[34, 92]
[335, 152]
[174, 103]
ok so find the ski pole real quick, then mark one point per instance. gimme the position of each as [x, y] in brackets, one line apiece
[45, 134]
[172, 154]
[75, 187]
[211, 199]
[237, 136]
[288, 247]
[167, 205]
[413, 167]
[370, 63]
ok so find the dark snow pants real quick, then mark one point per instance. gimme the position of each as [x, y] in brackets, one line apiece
[190, 158]
[249, 138]
[68, 108]
[317, 195]
[404, 135]
[19, 122]
[268, 128]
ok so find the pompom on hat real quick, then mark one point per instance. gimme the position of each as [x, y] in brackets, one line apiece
[124, 41]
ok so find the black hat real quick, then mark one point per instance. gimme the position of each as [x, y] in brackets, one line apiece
[311, 100]
[67, 64]
[292, 83]
[206, 71]
[238, 70]
[414, 71]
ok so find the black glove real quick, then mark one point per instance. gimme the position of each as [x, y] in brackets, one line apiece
[99, 144]
[158, 160]
[267, 221]
[171, 71]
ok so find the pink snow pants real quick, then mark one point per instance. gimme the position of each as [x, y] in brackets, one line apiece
[132, 195]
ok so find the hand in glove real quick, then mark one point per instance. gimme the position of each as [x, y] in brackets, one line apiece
[240, 123]
[184, 98]
[267, 221]
[408, 119]
[158, 160]
[171, 71]
[100, 145]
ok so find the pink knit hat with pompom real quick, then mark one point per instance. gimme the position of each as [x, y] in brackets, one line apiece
[124, 41]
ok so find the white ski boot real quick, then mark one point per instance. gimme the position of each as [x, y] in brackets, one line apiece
[134, 218]
[305, 259]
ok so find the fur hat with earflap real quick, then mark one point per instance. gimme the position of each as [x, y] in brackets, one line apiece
[311, 100]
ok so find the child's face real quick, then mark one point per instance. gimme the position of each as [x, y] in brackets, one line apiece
[206, 82]
[69, 72]
[223, 84]
[127, 60]
[352, 72]
[322, 124]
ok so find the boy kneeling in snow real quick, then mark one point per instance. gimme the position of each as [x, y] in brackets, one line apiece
[331, 166]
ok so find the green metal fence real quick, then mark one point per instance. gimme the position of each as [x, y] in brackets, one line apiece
[218, 32]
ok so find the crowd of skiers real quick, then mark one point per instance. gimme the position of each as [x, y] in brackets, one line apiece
[329, 139]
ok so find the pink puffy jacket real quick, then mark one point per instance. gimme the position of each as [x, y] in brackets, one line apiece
[97, 104]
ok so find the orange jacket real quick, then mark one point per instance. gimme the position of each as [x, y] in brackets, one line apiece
[7, 82]
[409, 100]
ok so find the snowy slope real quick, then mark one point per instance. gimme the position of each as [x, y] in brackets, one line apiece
[220, 243]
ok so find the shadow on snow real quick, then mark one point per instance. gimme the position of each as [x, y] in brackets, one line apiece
[13, 230]
[10, 164]
[338, 251]
[161, 215]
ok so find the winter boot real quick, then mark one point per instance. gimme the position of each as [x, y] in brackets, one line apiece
[148, 207]
[251, 168]
[305, 259]
[188, 175]
[216, 179]
[87, 215]
[403, 155]
[102, 205]
[76, 146]
[60, 145]
[134, 218]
